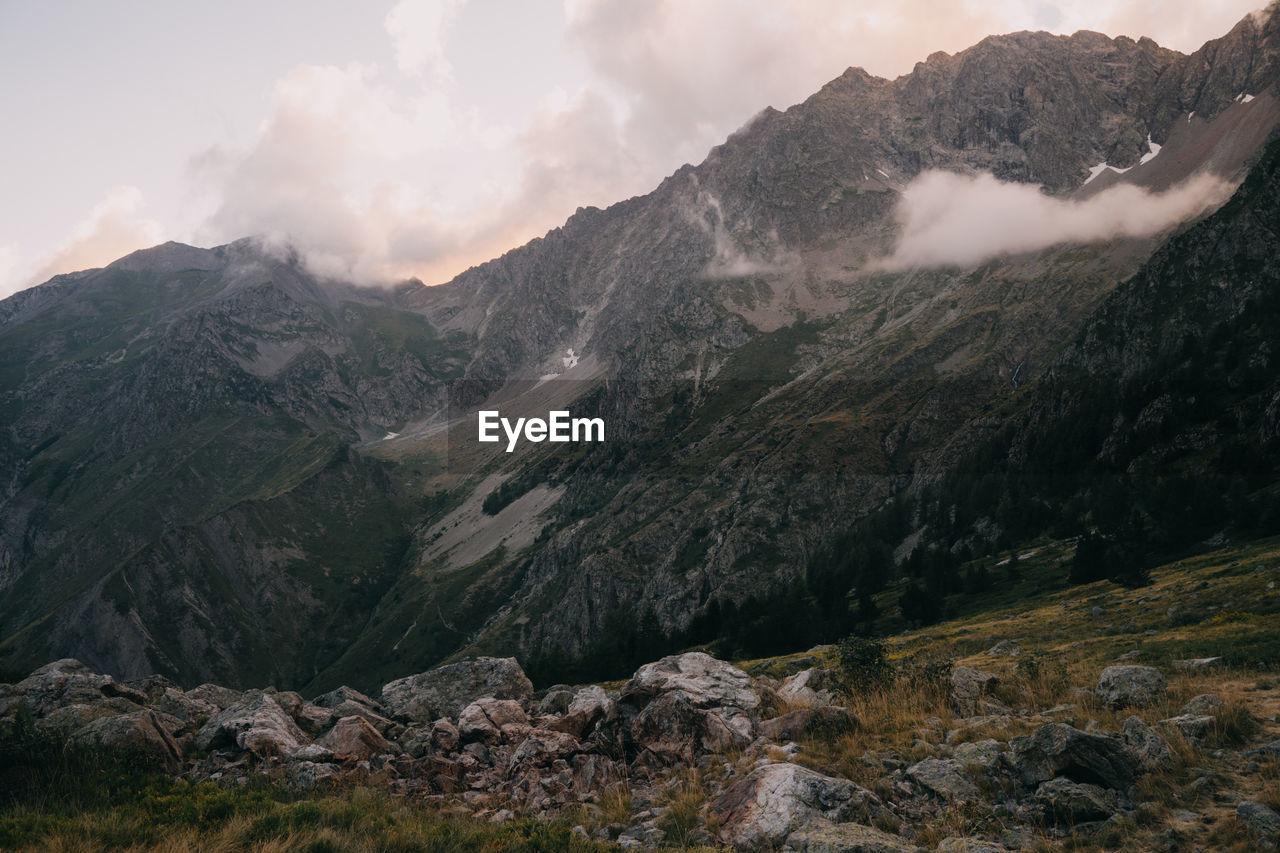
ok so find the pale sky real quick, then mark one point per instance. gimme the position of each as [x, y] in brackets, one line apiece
[419, 137]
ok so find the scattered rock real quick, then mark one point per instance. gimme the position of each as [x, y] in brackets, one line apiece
[1057, 749]
[762, 808]
[807, 688]
[809, 722]
[491, 720]
[700, 678]
[1259, 819]
[355, 737]
[1150, 750]
[967, 845]
[1206, 704]
[255, 724]
[1125, 686]
[943, 777]
[589, 706]
[140, 732]
[446, 690]
[1192, 727]
[969, 687]
[1006, 648]
[1069, 803]
[1197, 664]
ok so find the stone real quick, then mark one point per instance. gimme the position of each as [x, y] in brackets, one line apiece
[1192, 727]
[589, 706]
[1069, 803]
[1259, 819]
[1150, 750]
[491, 720]
[255, 724]
[197, 705]
[344, 694]
[555, 702]
[806, 688]
[1197, 664]
[826, 837]
[1006, 648]
[672, 730]
[764, 806]
[68, 682]
[355, 737]
[943, 777]
[700, 678]
[827, 720]
[446, 690]
[1057, 749]
[1128, 686]
[1204, 705]
[983, 754]
[968, 688]
[142, 733]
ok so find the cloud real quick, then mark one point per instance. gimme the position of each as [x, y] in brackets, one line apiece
[111, 229]
[947, 219]
[417, 29]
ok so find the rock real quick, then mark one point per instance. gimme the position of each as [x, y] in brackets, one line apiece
[1192, 727]
[588, 706]
[556, 702]
[1204, 705]
[672, 731]
[307, 774]
[355, 737]
[1259, 819]
[256, 724]
[141, 732]
[344, 694]
[197, 705]
[763, 807]
[807, 688]
[1125, 686]
[446, 690]
[491, 720]
[1269, 750]
[1069, 803]
[943, 777]
[826, 721]
[1197, 664]
[1057, 749]
[968, 687]
[1150, 750]
[700, 678]
[313, 752]
[311, 718]
[67, 683]
[984, 754]
[825, 837]
[1005, 648]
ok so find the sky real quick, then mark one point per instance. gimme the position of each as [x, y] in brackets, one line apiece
[420, 137]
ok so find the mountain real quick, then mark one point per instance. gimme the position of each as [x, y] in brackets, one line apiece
[219, 465]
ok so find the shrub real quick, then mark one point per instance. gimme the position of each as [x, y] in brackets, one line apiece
[863, 664]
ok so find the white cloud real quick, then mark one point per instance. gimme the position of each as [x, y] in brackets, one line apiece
[417, 29]
[112, 229]
[947, 219]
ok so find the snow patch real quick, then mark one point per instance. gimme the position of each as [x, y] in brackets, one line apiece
[883, 172]
[1095, 171]
[1152, 151]
[570, 361]
[390, 436]
[1243, 98]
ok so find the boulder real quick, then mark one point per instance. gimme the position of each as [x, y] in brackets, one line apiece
[983, 754]
[446, 690]
[1129, 686]
[1057, 749]
[255, 724]
[955, 844]
[197, 705]
[826, 837]
[355, 737]
[969, 687]
[828, 720]
[1068, 803]
[588, 706]
[701, 679]
[1150, 750]
[763, 807]
[943, 777]
[69, 683]
[1204, 705]
[492, 720]
[555, 702]
[144, 733]
[672, 730]
[335, 698]
[1259, 819]
[807, 688]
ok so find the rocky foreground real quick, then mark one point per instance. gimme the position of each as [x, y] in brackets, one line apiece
[692, 750]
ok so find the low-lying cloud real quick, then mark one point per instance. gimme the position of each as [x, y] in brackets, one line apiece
[946, 219]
